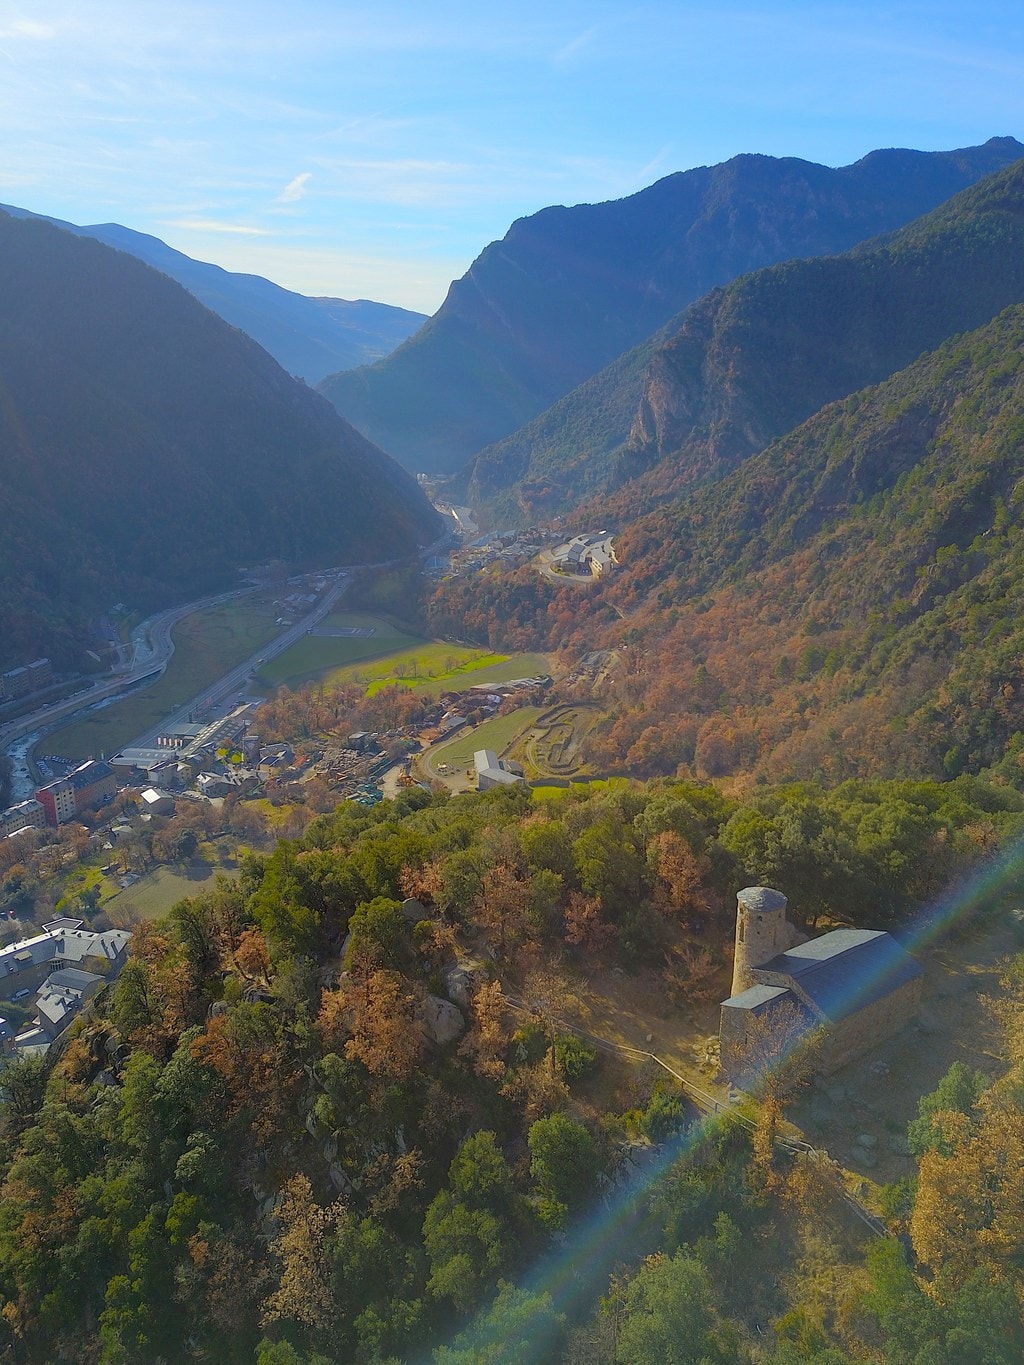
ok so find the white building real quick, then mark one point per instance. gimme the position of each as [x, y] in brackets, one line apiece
[492, 771]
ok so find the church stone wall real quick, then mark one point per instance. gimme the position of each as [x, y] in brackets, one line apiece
[868, 1027]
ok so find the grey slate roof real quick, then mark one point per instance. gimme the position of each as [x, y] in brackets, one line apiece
[762, 898]
[754, 997]
[845, 970]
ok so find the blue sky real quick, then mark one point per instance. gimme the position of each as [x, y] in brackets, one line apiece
[373, 150]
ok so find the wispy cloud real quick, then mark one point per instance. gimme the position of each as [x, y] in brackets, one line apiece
[212, 225]
[295, 189]
[27, 28]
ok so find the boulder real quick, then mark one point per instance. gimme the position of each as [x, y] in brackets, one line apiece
[459, 983]
[413, 911]
[442, 1020]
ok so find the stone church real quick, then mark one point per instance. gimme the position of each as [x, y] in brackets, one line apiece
[859, 984]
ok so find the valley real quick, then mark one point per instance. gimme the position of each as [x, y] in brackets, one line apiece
[582, 924]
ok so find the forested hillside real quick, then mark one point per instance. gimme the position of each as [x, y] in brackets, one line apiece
[148, 450]
[569, 289]
[308, 1126]
[747, 363]
[308, 337]
[845, 603]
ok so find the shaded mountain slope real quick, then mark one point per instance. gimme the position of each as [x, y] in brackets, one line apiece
[755, 359]
[566, 453]
[308, 337]
[569, 289]
[147, 449]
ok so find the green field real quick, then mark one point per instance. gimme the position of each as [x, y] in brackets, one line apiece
[496, 734]
[158, 891]
[207, 645]
[319, 656]
[544, 791]
[391, 656]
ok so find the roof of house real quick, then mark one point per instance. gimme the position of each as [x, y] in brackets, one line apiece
[64, 940]
[90, 772]
[845, 970]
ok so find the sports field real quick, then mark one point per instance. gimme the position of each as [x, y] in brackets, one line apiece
[324, 656]
[207, 645]
[154, 895]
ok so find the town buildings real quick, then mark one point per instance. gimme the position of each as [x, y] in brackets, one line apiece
[84, 787]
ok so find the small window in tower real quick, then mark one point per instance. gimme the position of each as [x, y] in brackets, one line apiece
[743, 930]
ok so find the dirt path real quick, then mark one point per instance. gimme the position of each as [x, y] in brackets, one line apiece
[873, 1097]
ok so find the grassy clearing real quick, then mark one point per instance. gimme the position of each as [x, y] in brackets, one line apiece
[432, 665]
[207, 645]
[321, 656]
[391, 656]
[158, 891]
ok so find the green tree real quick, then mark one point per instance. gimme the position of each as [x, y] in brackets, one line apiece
[564, 1163]
[670, 1317]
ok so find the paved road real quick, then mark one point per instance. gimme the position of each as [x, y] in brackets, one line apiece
[152, 647]
[149, 656]
[239, 676]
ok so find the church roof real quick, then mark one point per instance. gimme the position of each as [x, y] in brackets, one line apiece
[754, 998]
[845, 970]
[762, 898]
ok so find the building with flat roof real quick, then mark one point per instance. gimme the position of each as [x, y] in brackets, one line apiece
[58, 801]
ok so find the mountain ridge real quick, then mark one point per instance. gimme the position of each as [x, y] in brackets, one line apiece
[148, 449]
[309, 337]
[568, 290]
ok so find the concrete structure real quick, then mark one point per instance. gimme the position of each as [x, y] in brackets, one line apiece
[85, 786]
[94, 782]
[58, 801]
[858, 985]
[585, 555]
[221, 734]
[19, 682]
[492, 771]
[155, 802]
[26, 814]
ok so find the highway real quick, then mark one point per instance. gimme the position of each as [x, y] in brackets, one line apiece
[151, 650]
[235, 680]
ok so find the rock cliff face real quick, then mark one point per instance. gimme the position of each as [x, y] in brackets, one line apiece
[570, 289]
[753, 360]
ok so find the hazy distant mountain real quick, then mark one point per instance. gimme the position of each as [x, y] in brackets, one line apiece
[309, 337]
[147, 449]
[569, 289]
